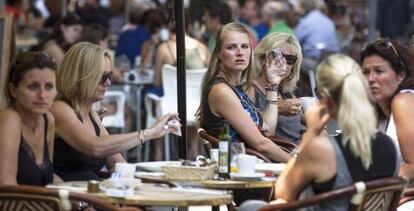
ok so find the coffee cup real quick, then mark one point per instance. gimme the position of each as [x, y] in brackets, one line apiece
[127, 170]
[246, 164]
[307, 102]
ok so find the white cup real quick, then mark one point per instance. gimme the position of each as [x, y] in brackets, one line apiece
[246, 164]
[307, 102]
[127, 170]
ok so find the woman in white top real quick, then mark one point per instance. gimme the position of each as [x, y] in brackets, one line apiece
[388, 68]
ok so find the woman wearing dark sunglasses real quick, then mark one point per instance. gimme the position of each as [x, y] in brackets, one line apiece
[82, 145]
[282, 110]
[27, 126]
[388, 68]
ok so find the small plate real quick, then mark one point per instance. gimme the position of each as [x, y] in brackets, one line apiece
[156, 166]
[272, 168]
[255, 176]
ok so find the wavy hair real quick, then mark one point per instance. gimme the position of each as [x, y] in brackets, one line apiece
[214, 65]
[279, 40]
[340, 79]
[80, 74]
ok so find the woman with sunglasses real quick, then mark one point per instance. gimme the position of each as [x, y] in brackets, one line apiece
[388, 68]
[224, 99]
[82, 145]
[27, 127]
[281, 109]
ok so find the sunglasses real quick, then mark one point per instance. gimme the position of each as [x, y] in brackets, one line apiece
[385, 45]
[274, 53]
[105, 77]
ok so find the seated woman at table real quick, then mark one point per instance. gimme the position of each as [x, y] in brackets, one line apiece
[288, 122]
[360, 153]
[27, 126]
[83, 146]
[389, 70]
[223, 98]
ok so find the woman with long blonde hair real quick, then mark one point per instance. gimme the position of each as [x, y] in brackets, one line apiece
[223, 99]
[360, 153]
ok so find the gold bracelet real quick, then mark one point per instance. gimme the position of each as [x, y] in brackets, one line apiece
[141, 137]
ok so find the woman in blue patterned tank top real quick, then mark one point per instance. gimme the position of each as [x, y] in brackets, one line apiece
[223, 99]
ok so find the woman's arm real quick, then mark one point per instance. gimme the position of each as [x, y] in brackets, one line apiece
[315, 159]
[10, 135]
[70, 129]
[224, 103]
[270, 111]
[401, 107]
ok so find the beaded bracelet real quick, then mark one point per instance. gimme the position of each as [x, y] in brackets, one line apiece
[273, 102]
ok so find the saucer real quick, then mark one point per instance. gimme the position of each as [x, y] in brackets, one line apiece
[255, 176]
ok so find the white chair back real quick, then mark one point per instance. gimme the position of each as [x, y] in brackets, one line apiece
[116, 120]
[193, 89]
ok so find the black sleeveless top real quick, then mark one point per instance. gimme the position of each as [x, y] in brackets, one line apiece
[73, 165]
[28, 172]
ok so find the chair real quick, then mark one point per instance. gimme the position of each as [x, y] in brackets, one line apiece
[407, 200]
[374, 195]
[168, 102]
[116, 120]
[36, 198]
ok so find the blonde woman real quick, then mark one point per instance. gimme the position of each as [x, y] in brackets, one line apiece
[223, 99]
[287, 122]
[360, 153]
[83, 146]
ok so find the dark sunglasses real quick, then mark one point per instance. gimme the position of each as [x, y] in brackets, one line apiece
[105, 77]
[290, 59]
[385, 45]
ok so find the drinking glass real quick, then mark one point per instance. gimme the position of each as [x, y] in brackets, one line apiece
[236, 148]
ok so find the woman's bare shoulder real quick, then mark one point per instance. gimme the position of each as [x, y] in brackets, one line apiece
[9, 114]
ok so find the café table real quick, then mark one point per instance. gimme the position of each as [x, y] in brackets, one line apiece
[261, 189]
[156, 195]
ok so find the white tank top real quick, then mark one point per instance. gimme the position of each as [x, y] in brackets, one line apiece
[391, 130]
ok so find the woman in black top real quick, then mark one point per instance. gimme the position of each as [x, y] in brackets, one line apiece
[83, 145]
[27, 127]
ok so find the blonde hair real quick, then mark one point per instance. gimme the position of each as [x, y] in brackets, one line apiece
[279, 40]
[80, 73]
[214, 65]
[340, 78]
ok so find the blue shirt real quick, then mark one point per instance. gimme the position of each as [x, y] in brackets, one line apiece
[315, 31]
[130, 43]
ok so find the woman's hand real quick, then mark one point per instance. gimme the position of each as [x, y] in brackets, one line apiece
[316, 117]
[158, 129]
[289, 107]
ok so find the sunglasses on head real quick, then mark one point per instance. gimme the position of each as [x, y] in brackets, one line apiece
[105, 77]
[290, 59]
[385, 45]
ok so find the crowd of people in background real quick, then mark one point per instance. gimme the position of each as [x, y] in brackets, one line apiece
[257, 53]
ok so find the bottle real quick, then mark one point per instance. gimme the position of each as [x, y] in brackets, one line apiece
[224, 152]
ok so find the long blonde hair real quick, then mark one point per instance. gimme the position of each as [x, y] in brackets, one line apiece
[214, 65]
[340, 78]
[80, 73]
[279, 40]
